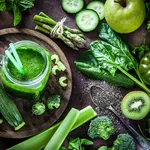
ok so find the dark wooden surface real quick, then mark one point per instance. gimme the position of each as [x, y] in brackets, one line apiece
[35, 124]
[79, 98]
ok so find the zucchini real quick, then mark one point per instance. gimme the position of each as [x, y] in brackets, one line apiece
[9, 111]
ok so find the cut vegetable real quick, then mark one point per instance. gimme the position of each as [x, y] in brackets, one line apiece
[55, 69]
[61, 66]
[9, 111]
[72, 6]
[87, 20]
[55, 58]
[39, 141]
[62, 81]
[98, 7]
[63, 130]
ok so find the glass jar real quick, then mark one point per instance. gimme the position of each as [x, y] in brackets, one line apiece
[32, 88]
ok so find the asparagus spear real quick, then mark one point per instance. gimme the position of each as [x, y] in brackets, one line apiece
[71, 37]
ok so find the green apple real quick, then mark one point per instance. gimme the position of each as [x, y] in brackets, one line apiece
[124, 16]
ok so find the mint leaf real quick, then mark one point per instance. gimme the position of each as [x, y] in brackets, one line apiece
[17, 14]
[2, 5]
[25, 3]
[86, 142]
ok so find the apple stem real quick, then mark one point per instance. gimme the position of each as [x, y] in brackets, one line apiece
[121, 2]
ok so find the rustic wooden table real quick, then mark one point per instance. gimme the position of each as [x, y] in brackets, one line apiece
[79, 98]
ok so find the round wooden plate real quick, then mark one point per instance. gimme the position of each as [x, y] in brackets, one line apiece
[35, 124]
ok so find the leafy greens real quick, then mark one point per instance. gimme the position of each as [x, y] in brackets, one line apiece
[108, 58]
[16, 6]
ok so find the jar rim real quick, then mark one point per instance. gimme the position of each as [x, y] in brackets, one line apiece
[36, 79]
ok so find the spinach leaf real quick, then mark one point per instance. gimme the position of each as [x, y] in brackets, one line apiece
[113, 55]
[88, 65]
[114, 39]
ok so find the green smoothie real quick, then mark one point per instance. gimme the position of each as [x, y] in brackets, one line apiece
[32, 61]
[31, 84]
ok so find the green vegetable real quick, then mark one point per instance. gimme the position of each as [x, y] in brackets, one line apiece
[71, 37]
[17, 6]
[101, 127]
[38, 109]
[9, 111]
[61, 66]
[72, 6]
[148, 26]
[1, 121]
[147, 4]
[113, 55]
[53, 102]
[97, 6]
[87, 20]
[124, 142]
[88, 65]
[55, 69]
[55, 58]
[39, 141]
[103, 148]
[77, 143]
[139, 51]
[144, 68]
[62, 81]
[149, 125]
[63, 130]
[62, 148]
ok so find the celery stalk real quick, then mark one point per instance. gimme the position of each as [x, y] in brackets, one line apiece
[63, 130]
[39, 141]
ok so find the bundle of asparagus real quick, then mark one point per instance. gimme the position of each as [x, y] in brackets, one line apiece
[72, 37]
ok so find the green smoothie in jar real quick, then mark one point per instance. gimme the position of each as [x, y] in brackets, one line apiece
[36, 62]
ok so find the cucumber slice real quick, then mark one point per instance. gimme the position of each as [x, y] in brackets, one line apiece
[87, 20]
[72, 6]
[98, 7]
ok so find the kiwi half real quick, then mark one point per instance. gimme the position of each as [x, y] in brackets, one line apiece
[135, 105]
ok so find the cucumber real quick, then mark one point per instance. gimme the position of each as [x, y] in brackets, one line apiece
[9, 111]
[72, 6]
[87, 20]
[98, 7]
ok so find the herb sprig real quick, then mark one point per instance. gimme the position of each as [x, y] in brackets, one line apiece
[16, 6]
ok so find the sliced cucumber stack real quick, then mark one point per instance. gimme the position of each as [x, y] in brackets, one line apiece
[87, 20]
[98, 7]
[72, 6]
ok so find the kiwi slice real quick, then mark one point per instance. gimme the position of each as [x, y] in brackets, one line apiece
[135, 105]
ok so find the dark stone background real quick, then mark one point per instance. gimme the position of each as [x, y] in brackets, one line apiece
[79, 99]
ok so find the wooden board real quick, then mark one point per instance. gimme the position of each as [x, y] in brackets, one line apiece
[35, 124]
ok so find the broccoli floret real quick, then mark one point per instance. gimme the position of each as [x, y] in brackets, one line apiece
[53, 102]
[38, 109]
[124, 142]
[101, 127]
